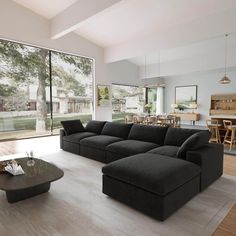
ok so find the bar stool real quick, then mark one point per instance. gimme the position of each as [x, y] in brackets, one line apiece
[230, 129]
[213, 126]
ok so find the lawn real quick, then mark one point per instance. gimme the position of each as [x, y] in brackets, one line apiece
[21, 127]
[29, 123]
[120, 117]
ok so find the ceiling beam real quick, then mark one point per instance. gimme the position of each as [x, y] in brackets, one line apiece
[68, 20]
[212, 26]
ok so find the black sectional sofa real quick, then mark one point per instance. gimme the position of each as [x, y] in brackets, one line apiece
[153, 169]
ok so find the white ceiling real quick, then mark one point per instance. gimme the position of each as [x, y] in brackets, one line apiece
[198, 49]
[46, 8]
[131, 19]
[138, 18]
[130, 28]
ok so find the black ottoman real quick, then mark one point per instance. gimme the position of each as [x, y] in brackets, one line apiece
[154, 184]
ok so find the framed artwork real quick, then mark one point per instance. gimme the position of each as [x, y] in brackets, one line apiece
[103, 95]
[185, 96]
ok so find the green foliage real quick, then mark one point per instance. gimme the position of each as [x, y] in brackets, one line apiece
[21, 63]
[6, 90]
[67, 82]
[82, 65]
[181, 107]
[24, 63]
[18, 102]
[106, 93]
[99, 94]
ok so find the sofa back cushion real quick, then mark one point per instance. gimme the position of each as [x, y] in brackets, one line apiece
[116, 129]
[154, 134]
[95, 126]
[72, 126]
[194, 142]
[177, 136]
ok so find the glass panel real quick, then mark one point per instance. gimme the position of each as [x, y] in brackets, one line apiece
[152, 99]
[72, 88]
[126, 100]
[24, 93]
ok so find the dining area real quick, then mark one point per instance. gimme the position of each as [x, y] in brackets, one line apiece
[158, 120]
[223, 128]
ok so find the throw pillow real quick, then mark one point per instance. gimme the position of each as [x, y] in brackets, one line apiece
[194, 142]
[95, 126]
[72, 126]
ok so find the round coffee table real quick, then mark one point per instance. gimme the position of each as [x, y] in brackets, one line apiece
[36, 180]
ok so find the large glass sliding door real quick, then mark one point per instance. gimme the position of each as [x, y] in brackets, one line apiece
[126, 100]
[39, 88]
[152, 99]
[72, 88]
[155, 97]
[24, 78]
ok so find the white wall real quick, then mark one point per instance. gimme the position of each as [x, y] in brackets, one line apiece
[200, 29]
[207, 85]
[123, 72]
[198, 57]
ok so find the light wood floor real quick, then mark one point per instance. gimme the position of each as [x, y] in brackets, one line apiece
[228, 226]
[230, 165]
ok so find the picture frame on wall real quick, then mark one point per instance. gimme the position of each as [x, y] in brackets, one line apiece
[185, 96]
[103, 95]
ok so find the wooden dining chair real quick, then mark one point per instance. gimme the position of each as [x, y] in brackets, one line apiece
[230, 133]
[161, 120]
[213, 127]
[170, 121]
[151, 120]
[129, 119]
[139, 119]
[177, 122]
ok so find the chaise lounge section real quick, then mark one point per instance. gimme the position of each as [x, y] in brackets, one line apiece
[154, 184]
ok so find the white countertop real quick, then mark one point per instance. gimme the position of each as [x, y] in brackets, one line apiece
[224, 116]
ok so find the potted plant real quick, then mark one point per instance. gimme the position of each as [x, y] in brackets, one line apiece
[180, 107]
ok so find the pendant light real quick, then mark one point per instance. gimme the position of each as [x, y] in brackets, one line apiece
[225, 79]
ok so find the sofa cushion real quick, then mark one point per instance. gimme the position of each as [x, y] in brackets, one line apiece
[147, 133]
[166, 150]
[99, 141]
[152, 172]
[75, 138]
[194, 142]
[95, 126]
[116, 129]
[130, 147]
[72, 126]
[177, 136]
